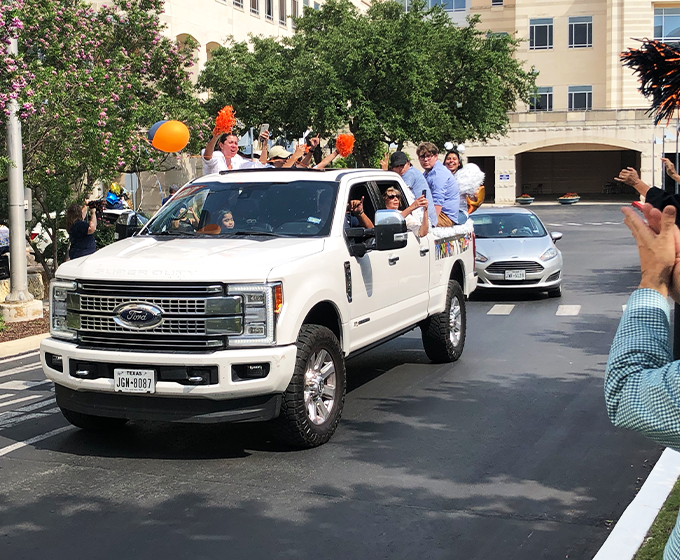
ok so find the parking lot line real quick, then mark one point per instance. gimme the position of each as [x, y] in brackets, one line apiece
[21, 385]
[568, 310]
[501, 309]
[36, 439]
[22, 399]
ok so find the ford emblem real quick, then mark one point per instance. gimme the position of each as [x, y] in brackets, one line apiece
[138, 316]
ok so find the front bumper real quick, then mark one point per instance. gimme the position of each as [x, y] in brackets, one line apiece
[550, 277]
[208, 400]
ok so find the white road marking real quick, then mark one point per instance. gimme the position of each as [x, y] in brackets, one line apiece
[23, 399]
[557, 225]
[19, 419]
[18, 445]
[21, 369]
[7, 396]
[36, 406]
[570, 310]
[613, 223]
[501, 309]
[20, 357]
[573, 224]
[624, 306]
[594, 223]
[21, 385]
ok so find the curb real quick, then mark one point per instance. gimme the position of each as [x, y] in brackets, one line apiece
[632, 528]
[21, 345]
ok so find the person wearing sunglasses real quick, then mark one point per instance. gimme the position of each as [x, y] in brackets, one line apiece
[442, 183]
[419, 227]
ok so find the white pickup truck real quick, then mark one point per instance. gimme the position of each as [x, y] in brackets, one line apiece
[190, 320]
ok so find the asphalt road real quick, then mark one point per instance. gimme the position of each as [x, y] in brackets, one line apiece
[506, 454]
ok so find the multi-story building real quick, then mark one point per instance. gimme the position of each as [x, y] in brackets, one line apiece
[587, 119]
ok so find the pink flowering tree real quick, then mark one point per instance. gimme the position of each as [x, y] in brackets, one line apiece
[89, 83]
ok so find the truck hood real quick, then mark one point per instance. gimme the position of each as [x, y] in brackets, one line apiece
[199, 260]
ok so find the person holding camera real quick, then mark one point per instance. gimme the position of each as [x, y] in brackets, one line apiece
[81, 232]
[642, 382]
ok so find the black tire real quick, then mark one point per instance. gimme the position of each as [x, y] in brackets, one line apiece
[93, 423]
[444, 333]
[299, 424]
[555, 292]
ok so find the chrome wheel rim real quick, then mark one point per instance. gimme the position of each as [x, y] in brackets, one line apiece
[320, 383]
[455, 322]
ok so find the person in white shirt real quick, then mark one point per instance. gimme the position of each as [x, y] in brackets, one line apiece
[225, 157]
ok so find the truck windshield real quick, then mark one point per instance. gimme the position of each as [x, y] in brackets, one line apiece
[264, 209]
[507, 225]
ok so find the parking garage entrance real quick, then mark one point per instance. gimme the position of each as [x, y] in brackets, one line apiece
[550, 172]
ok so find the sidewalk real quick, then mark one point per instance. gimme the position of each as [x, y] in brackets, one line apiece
[21, 345]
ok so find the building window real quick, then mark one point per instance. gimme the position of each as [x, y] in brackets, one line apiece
[316, 6]
[542, 99]
[238, 4]
[541, 33]
[305, 3]
[459, 5]
[496, 2]
[254, 7]
[269, 9]
[580, 32]
[282, 12]
[294, 8]
[580, 98]
[667, 24]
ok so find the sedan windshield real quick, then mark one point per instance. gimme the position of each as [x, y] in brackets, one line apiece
[507, 225]
[261, 210]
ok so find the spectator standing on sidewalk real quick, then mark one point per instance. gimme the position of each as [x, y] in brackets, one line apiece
[80, 232]
[442, 184]
[642, 382]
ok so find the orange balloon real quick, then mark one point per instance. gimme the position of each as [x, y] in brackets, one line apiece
[170, 136]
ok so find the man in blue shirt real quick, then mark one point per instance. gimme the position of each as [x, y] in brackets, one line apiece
[442, 183]
[642, 382]
[414, 179]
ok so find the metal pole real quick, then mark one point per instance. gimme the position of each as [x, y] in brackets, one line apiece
[17, 221]
[653, 160]
[677, 155]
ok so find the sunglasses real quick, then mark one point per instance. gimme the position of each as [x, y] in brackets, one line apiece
[391, 196]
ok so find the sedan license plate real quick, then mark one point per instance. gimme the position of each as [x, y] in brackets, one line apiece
[515, 275]
[134, 380]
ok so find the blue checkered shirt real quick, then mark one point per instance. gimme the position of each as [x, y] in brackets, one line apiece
[642, 382]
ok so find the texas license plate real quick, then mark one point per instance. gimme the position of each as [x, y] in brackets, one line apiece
[134, 380]
[515, 275]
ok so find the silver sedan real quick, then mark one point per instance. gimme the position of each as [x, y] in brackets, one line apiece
[514, 250]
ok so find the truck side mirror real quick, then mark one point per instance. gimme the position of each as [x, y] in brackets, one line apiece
[126, 225]
[390, 230]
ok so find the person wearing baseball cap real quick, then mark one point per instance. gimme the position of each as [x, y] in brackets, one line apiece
[414, 179]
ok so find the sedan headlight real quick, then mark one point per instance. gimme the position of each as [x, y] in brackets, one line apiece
[549, 254]
[480, 258]
[61, 324]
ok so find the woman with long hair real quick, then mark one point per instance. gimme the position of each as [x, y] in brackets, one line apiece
[80, 232]
[470, 182]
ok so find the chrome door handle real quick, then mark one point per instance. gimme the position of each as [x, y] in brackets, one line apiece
[424, 251]
[392, 260]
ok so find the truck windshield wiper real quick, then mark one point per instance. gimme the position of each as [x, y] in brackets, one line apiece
[245, 232]
[171, 233]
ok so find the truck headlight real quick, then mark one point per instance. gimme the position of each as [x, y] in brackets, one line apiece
[62, 324]
[262, 303]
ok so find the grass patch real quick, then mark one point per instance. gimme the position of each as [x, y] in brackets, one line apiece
[655, 541]
[2, 323]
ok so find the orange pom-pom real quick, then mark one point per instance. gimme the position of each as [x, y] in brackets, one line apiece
[344, 143]
[225, 120]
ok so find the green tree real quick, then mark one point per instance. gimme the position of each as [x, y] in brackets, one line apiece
[94, 80]
[391, 76]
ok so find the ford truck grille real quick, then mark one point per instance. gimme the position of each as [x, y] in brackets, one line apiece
[195, 317]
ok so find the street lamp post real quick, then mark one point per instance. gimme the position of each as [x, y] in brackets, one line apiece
[19, 304]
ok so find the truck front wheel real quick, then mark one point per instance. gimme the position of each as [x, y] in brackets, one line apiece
[92, 423]
[444, 333]
[313, 401]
